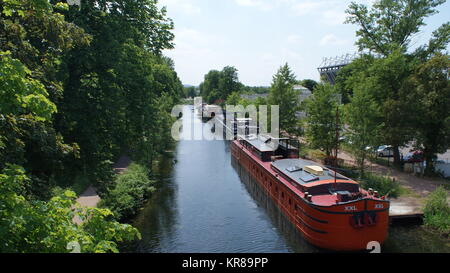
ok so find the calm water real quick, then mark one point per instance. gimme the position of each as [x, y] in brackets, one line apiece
[204, 205]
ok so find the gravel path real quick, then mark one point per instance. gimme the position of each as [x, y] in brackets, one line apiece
[89, 198]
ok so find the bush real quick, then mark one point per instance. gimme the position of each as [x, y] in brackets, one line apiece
[129, 191]
[437, 211]
[32, 226]
[383, 184]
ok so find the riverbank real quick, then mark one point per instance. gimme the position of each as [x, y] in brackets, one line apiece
[414, 194]
[90, 198]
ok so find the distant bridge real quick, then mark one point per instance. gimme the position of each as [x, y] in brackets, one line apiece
[330, 66]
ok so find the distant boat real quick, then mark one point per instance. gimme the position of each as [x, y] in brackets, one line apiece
[209, 111]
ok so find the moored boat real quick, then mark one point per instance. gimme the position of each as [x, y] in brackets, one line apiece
[330, 210]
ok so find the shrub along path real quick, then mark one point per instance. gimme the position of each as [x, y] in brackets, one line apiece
[89, 198]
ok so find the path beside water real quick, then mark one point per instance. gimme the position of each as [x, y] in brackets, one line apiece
[90, 198]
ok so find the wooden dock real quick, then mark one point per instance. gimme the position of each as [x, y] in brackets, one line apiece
[405, 211]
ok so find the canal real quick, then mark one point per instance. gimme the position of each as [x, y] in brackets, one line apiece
[203, 205]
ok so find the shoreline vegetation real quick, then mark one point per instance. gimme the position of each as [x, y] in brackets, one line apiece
[80, 86]
[437, 212]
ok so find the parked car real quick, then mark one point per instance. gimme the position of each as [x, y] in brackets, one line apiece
[385, 150]
[413, 157]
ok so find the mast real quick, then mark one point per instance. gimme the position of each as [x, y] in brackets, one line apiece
[337, 144]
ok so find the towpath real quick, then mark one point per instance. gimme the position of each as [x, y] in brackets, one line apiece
[89, 198]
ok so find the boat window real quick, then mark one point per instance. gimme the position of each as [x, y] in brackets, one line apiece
[294, 169]
[306, 177]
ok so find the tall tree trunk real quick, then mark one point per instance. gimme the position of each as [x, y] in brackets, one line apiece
[428, 156]
[363, 159]
[397, 161]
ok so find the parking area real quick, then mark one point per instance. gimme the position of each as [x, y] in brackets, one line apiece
[445, 156]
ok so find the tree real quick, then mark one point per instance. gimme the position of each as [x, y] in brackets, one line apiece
[114, 88]
[218, 85]
[48, 226]
[429, 92]
[321, 125]
[384, 79]
[94, 76]
[36, 35]
[229, 81]
[234, 99]
[22, 95]
[209, 87]
[190, 91]
[310, 84]
[386, 31]
[283, 94]
[389, 24]
[361, 115]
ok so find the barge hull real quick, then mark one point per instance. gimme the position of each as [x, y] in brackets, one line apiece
[328, 227]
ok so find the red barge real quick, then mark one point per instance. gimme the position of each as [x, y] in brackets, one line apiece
[330, 210]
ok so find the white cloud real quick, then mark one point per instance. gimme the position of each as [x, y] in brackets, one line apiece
[332, 40]
[185, 6]
[294, 39]
[334, 17]
[261, 4]
[197, 52]
[306, 7]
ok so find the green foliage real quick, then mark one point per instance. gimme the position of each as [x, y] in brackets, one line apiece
[362, 115]
[383, 184]
[283, 94]
[39, 226]
[27, 136]
[129, 191]
[218, 85]
[437, 44]
[92, 76]
[389, 25]
[190, 92]
[321, 125]
[21, 94]
[383, 81]
[119, 90]
[310, 84]
[437, 211]
[429, 94]
[386, 30]
[234, 99]
[255, 89]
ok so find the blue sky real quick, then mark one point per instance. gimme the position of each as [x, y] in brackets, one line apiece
[258, 36]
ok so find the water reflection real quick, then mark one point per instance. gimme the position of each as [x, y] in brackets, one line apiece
[292, 236]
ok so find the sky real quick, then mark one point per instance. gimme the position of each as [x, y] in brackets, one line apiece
[258, 36]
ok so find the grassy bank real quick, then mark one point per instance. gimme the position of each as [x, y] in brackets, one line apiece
[437, 212]
[383, 184]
